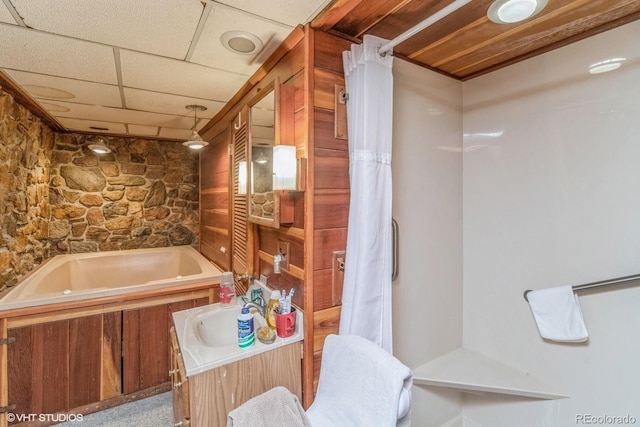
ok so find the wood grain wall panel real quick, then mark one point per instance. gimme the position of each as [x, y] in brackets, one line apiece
[215, 218]
[328, 51]
[85, 351]
[325, 241]
[215, 240]
[213, 198]
[130, 351]
[51, 386]
[325, 131]
[322, 291]
[331, 169]
[325, 322]
[331, 209]
[20, 369]
[111, 382]
[324, 89]
[154, 347]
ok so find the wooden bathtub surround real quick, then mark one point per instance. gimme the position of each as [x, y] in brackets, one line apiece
[310, 63]
[206, 398]
[85, 356]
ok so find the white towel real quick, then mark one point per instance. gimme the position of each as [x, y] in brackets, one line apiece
[360, 385]
[558, 315]
[277, 407]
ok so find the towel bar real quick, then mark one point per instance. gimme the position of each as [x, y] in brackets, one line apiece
[620, 281]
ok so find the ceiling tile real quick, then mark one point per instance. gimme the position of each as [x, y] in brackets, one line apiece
[162, 27]
[150, 72]
[209, 50]
[120, 115]
[157, 102]
[38, 85]
[85, 126]
[174, 133]
[5, 15]
[143, 130]
[29, 50]
[290, 12]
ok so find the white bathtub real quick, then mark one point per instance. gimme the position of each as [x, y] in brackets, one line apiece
[76, 277]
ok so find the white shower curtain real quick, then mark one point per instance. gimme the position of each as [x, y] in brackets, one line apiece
[366, 297]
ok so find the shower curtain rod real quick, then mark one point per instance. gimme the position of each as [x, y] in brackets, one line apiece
[445, 11]
[620, 281]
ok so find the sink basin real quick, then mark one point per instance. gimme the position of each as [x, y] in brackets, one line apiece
[219, 327]
[208, 336]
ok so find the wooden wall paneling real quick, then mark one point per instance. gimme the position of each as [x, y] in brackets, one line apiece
[322, 290]
[328, 51]
[111, 375]
[326, 322]
[50, 385]
[309, 216]
[324, 94]
[4, 353]
[332, 169]
[85, 354]
[214, 201]
[325, 242]
[131, 351]
[325, 125]
[154, 346]
[20, 369]
[331, 208]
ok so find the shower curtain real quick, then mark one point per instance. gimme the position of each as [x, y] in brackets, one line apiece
[366, 297]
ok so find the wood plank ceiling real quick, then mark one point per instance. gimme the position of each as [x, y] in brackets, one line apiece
[466, 44]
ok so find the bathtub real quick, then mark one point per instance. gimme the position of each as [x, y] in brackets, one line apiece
[76, 277]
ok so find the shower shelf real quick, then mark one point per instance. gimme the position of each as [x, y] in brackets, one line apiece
[468, 371]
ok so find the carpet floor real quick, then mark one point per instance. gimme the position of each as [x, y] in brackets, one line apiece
[154, 411]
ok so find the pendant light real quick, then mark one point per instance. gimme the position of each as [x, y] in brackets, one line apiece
[99, 147]
[195, 141]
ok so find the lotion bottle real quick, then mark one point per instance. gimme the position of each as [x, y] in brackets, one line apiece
[272, 305]
[246, 335]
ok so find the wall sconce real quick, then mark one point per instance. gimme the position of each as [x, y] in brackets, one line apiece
[284, 168]
[242, 178]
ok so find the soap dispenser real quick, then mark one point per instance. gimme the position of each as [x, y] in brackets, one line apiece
[227, 288]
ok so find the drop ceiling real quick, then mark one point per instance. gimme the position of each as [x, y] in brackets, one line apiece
[129, 68]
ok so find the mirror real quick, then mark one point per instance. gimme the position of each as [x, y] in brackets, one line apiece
[264, 202]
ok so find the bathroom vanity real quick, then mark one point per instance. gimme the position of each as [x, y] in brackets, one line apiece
[211, 375]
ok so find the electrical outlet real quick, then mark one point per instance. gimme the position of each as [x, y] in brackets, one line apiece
[337, 276]
[283, 250]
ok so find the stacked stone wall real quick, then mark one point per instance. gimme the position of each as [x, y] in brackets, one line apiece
[25, 152]
[144, 194]
[58, 197]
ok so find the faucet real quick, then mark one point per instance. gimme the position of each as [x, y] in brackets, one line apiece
[259, 307]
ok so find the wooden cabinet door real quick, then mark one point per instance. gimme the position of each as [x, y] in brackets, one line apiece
[58, 366]
[146, 353]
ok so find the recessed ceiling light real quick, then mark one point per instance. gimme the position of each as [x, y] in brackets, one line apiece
[606, 65]
[48, 92]
[241, 42]
[511, 11]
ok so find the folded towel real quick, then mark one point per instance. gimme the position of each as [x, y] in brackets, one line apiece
[277, 407]
[360, 384]
[558, 315]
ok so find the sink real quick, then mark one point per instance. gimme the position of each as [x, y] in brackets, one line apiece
[208, 335]
[219, 327]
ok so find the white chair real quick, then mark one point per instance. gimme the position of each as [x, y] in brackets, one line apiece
[360, 385]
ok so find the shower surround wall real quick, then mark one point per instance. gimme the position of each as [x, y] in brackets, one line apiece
[57, 196]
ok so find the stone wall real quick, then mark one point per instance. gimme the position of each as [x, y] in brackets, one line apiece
[143, 194]
[57, 196]
[25, 152]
